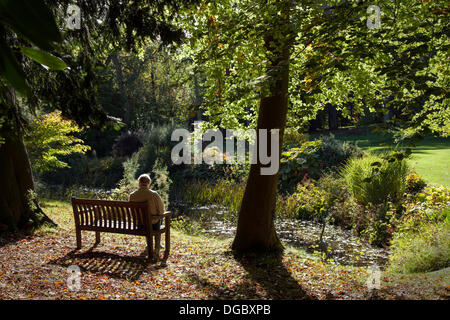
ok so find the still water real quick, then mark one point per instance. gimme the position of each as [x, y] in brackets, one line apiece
[342, 245]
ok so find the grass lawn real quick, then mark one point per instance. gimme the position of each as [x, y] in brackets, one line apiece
[35, 267]
[430, 158]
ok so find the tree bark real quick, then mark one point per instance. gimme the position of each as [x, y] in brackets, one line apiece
[332, 117]
[18, 208]
[256, 230]
[317, 123]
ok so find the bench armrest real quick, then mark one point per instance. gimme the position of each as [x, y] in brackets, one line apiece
[167, 217]
[165, 214]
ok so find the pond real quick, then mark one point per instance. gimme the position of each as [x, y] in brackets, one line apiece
[343, 246]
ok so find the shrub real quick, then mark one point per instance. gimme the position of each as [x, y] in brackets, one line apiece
[343, 209]
[52, 138]
[317, 199]
[422, 240]
[236, 172]
[287, 206]
[375, 180]
[379, 223]
[188, 226]
[422, 251]
[296, 162]
[154, 157]
[214, 172]
[333, 153]
[313, 159]
[103, 173]
[431, 206]
[376, 224]
[90, 172]
[127, 143]
[293, 138]
[312, 202]
[414, 183]
[161, 181]
[346, 213]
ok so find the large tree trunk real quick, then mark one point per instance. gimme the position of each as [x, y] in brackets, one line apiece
[317, 123]
[332, 117]
[255, 229]
[18, 207]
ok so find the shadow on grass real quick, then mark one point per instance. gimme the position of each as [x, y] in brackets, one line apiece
[265, 272]
[436, 146]
[108, 264]
[423, 151]
[217, 292]
[10, 237]
[369, 139]
[271, 274]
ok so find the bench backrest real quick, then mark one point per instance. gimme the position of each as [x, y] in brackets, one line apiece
[111, 214]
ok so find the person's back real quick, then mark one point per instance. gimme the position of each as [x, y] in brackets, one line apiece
[155, 204]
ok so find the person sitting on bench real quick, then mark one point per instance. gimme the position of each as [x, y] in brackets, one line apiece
[155, 204]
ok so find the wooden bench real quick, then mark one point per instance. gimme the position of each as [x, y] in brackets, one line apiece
[119, 217]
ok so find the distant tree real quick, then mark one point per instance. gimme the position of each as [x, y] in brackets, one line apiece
[154, 83]
[49, 139]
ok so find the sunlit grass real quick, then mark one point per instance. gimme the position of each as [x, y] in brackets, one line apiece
[59, 211]
[430, 157]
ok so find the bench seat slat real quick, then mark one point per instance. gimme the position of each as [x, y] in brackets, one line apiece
[138, 232]
[119, 225]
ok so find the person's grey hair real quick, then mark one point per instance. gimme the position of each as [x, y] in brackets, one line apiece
[144, 178]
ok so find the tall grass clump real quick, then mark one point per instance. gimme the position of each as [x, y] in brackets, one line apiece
[375, 179]
[229, 193]
[421, 242]
[423, 251]
[224, 193]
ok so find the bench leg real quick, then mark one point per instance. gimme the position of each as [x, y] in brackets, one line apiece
[78, 236]
[97, 237]
[157, 244]
[167, 246]
[150, 247]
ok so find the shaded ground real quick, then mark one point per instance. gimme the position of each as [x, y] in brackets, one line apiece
[35, 267]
